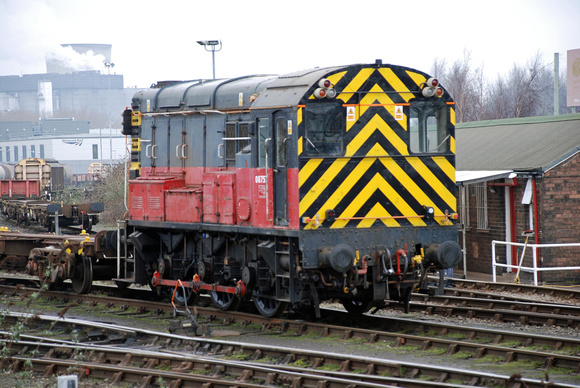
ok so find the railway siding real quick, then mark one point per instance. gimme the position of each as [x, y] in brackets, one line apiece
[409, 340]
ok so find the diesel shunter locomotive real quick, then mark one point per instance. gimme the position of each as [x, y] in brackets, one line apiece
[330, 183]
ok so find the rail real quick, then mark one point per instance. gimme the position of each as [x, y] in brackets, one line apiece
[534, 268]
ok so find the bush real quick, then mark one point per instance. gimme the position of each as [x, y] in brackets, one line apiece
[111, 191]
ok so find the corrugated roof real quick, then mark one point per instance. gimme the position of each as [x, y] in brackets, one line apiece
[524, 144]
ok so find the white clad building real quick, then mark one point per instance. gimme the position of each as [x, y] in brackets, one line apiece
[76, 150]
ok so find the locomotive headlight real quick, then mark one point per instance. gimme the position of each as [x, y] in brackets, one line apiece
[320, 93]
[431, 88]
[432, 82]
[428, 212]
[324, 83]
[428, 92]
[325, 89]
[330, 215]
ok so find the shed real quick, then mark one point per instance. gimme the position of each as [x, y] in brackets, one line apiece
[520, 180]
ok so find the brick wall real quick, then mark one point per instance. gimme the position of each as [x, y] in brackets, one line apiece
[559, 207]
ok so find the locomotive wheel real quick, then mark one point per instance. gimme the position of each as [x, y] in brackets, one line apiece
[224, 301]
[83, 276]
[186, 296]
[88, 224]
[356, 306]
[403, 296]
[269, 308]
[406, 299]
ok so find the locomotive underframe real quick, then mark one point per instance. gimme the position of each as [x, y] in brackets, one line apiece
[281, 266]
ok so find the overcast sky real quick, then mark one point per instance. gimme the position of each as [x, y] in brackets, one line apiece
[156, 40]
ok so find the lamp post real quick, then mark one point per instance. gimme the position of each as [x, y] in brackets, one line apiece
[108, 65]
[212, 44]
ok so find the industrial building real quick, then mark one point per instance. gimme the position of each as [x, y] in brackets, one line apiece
[68, 141]
[55, 98]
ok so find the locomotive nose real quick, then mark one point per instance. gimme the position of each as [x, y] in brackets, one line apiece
[445, 255]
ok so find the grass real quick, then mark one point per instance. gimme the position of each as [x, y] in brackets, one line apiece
[434, 351]
[462, 356]
[511, 344]
[522, 365]
[490, 360]
[329, 367]
[301, 363]
[237, 357]
[268, 360]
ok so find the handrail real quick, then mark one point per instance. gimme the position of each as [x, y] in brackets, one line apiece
[534, 269]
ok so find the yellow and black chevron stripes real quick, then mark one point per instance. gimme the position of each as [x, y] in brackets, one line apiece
[375, 132]
[363, 191]
[376, 182]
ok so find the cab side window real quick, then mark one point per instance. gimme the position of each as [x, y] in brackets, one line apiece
[428, 127]
[263, 135]
[325, 127]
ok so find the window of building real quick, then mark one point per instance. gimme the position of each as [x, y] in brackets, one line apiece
[24, 152]
[428, 127]
[480, 192]
[42, 151]
[33, 151]
[7, 153]
[16, 158]
[95, 151]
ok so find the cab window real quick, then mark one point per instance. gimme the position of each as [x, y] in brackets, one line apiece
[428, 127]
[325, 127]
[263, 135]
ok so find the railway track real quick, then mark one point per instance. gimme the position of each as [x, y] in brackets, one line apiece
[528, 313]
[398, 335]
[185, 360]
[571, 294]
[459, 302]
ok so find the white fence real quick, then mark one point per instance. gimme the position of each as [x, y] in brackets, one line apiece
[534, 269]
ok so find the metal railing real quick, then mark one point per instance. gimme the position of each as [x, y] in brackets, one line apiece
[534, 268]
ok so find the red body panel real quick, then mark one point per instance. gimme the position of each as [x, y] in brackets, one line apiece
[147, 197]
[222, 196]
[219, 198]
[293, 199]
[183, 204]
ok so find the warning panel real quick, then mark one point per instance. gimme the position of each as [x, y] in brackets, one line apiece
[399, 116]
